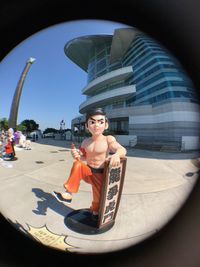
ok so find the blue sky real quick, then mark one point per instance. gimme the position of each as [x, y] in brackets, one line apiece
[52, 88]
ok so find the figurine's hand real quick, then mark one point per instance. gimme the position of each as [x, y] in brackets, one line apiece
[114, 160]
[75, 153]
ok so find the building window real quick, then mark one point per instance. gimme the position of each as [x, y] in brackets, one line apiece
[101, 64]
[119, 126]
[118, 104]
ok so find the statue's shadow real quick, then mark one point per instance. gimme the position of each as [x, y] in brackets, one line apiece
[48, 201]
[80, 221]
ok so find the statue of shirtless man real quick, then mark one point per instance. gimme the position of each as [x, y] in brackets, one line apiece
[95, 151]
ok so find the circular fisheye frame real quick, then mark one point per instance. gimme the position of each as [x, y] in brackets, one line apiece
[100, 146]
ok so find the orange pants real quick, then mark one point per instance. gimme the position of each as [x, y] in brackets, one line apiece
[80, 171]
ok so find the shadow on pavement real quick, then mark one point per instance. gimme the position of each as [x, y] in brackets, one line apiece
[58, 143]
[47, 201]
[18, 226]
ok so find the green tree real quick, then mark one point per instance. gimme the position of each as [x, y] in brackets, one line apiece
[30, 125]
[21, 127]
[4, 124]
[50, 130]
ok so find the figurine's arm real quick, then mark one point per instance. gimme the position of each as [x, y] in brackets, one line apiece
[79, 153]
[118, 150]
[82, 153]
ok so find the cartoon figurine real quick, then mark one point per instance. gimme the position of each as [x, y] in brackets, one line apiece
[22, 140]
[27, 145]
[95, 151]
[2, 143]
[17, 135]
[9, 153]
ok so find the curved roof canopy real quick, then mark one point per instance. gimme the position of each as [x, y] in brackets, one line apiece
[78, 49]
[121, 41]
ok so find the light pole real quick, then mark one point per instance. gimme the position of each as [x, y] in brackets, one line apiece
[12, 123]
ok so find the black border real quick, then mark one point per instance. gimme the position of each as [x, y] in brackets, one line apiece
[175, 23]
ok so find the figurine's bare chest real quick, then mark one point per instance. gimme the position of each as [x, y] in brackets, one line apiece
[97, 147]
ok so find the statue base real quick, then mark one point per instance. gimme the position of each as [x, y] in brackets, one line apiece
[82, 221]
[10, 159]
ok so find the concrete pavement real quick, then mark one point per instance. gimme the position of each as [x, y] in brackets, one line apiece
[156, 185]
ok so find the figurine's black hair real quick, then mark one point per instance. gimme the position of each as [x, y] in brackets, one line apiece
[95, 111]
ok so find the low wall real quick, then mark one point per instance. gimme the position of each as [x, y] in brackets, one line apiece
[190, 143]
[127, 140]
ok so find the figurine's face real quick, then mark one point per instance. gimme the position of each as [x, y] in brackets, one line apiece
[10, 133]
[97, 124]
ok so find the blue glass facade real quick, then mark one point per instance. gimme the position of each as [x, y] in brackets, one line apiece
[157, 74]
[99, 61]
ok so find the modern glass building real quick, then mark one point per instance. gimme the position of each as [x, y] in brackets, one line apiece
[148, 97]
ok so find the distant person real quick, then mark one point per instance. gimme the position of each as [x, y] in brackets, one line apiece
[95, 151]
